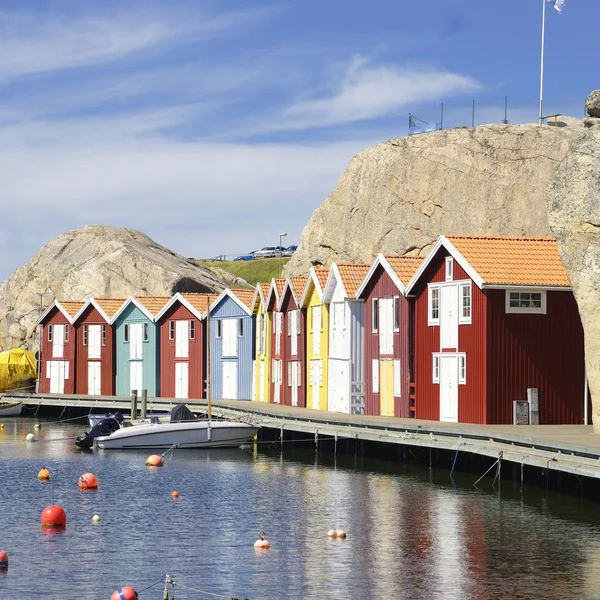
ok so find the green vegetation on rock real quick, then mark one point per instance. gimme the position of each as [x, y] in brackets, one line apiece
[252, 271]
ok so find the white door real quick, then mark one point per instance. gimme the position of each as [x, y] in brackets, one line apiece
[230, 327]
[277, 381]
[58, 341]
[339, 393]
[295, 381]
[94, 378]
[261, 381]
[181, 378]
[316, 329]
[316, 372]
[136, 338]
[181, 341]
[94, 340]
[295, 328]
[57, 371]
[386, 326]
[230, 379]
[135, 376]
[449, 317]
[449, 388]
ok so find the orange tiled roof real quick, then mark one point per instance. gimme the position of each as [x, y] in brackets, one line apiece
[513, 260]
[244, 295]
[265, 287]
[297, 283]
[110, 305]
[322, 275]
[200, 302]
[352, 276]
[153, 304]
[71, 307]
[280, 284]
[404, 266]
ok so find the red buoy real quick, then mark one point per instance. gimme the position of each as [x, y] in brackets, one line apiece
[88, 481]
[3, 560]
[124, 593]
[54, 516]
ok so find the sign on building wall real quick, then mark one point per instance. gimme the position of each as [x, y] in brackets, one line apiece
[520, 412]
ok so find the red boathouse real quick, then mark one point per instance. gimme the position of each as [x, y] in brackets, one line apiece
[294, 327]
[95, 365]
[277, 339]
[58, 348]
[388, 335]
[496, 322]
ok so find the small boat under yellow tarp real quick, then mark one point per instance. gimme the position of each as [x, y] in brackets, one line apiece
[17, 369]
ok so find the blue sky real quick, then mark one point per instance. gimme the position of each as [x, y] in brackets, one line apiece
[213, 126]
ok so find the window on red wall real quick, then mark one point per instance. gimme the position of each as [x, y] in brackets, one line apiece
[50, 333]
[85, 335]
[192, 329]
[66, 333]
[171, 330]
[375, 315]
[396, 313]
[104, 335]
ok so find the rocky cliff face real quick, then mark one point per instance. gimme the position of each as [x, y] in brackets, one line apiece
[93, 261]
[397, 197]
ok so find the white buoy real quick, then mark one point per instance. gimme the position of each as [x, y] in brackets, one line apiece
[30, 437]
[96, 518]
[37, 426]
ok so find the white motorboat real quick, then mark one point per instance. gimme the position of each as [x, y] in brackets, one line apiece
[182, 431]
[95, 418]
[11, 409]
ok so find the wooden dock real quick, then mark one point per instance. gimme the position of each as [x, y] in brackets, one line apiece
[570, 449]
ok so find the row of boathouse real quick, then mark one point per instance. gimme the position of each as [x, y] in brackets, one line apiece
[459, 336]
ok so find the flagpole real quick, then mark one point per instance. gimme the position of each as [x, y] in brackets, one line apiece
[542, 62]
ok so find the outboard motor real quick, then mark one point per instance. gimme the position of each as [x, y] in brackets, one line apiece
[104, 427]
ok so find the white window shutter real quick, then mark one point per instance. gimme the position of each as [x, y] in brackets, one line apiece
[375, 376]
[397, 386]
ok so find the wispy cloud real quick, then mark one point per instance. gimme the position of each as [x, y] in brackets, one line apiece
[369, 91]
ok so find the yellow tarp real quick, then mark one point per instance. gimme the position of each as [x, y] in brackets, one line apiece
[16, 367]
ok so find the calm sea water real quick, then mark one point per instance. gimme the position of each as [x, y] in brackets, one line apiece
[411, 533]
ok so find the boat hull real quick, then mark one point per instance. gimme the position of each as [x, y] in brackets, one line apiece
[196, 434]
[12, 409]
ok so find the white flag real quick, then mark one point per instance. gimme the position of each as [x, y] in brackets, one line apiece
[558, 5]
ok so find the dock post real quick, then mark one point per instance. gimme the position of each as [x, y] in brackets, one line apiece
[144, 408]
[133, 405]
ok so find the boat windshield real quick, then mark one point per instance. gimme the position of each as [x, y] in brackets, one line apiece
[182, 413]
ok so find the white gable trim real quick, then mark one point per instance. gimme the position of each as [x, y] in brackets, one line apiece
[312, 280]
[458, 257]
[179, 298]
[56, 304]
[125, 304]
[380, 259]
[228, 293]
[288, 285]
[273, 290]
[93, 303]
[333, 281]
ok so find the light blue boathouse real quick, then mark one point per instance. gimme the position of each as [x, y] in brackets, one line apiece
[137, 352]
[232, 345]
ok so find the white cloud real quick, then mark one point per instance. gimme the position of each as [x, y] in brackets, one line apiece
[371, 91]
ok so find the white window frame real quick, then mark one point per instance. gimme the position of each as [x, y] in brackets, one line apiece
[522, 309]
[435, 368]
[462, 369]
[50, 331]
[219, 333]
[171, 330]
[431, 320]
[374, 315]
[449, 268]
[85, 335]
[396, 316]
[104, 335]
[461, 318]
[192, 331]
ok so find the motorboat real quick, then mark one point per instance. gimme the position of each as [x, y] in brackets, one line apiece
[104, 426]
[183, 430]
[11, 409]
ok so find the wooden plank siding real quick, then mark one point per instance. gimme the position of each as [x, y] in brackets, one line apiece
[382, 286]
[228, 309]
[536, 351]
[56, 317]
[132, 315]
[196, 355]
[289, 305]
[90, 317]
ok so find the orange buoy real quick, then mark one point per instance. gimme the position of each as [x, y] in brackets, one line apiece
[332, 533]
[261, 542]
[341, 534]
[3, 560]
[155, 460]
[44, 474]
[88, 481]
[175, 494]
[54, 516]
[124, 593]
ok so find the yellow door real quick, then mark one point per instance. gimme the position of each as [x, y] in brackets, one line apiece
[386, 387]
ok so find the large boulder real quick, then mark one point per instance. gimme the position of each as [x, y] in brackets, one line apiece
[94, 261]
[592, 104]
[573, 202]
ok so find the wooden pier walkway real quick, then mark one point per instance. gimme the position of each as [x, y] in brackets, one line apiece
[571, 449]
